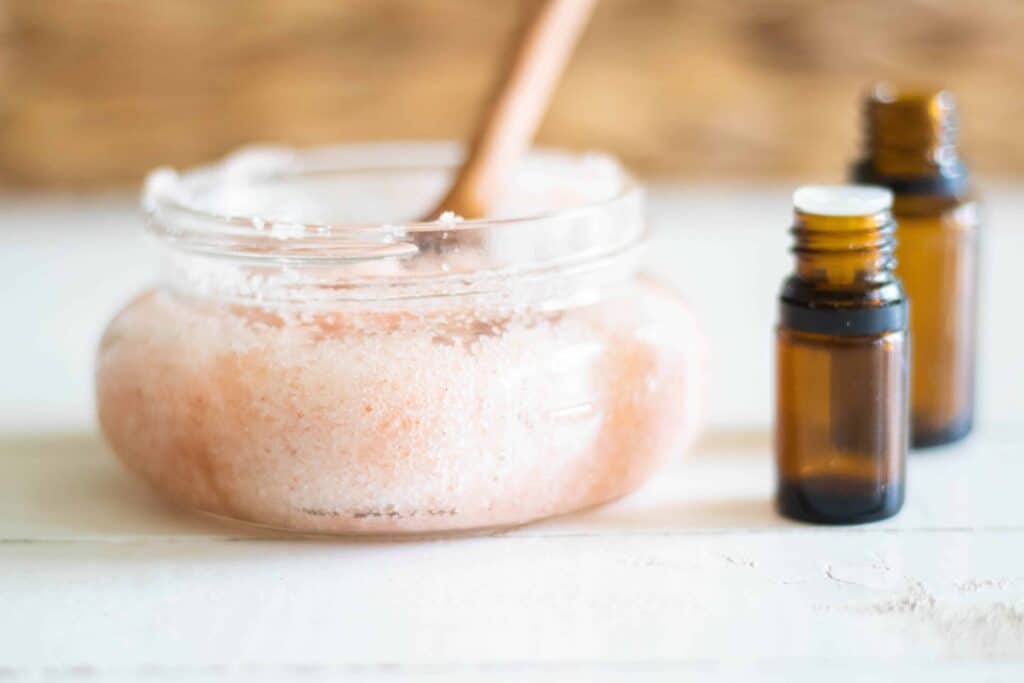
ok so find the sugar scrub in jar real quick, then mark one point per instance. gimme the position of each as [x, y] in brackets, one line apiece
[314, 359]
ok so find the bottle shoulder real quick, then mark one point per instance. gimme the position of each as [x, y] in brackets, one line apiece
[965, 208]
[846, 312]
[890, 339]
[884, 291]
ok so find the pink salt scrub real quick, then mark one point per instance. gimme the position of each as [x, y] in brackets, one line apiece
[342, 376]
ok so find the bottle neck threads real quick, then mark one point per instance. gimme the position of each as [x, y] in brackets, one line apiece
[910, 142]
[844, 250]
[844, 282]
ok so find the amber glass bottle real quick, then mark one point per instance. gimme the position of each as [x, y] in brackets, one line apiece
[841, 382]
[911, 149]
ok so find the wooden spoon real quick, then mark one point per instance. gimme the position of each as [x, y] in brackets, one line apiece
[511, 119]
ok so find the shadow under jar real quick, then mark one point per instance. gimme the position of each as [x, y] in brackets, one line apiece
[842, 364]
[305, 365]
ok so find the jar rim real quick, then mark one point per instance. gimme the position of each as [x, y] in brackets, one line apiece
[174, 216]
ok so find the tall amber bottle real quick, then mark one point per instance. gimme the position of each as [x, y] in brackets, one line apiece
[841, 368]
[911, 149]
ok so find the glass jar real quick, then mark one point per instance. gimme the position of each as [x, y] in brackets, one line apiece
[304, 365]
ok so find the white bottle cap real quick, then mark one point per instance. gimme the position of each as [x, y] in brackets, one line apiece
[842, 200]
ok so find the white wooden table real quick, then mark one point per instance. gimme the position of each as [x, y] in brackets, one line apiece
[693, 576]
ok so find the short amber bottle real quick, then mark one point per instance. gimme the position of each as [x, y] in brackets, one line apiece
[911, 149]
[841, 427]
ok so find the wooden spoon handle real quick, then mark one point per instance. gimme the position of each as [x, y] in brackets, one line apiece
[515, 111]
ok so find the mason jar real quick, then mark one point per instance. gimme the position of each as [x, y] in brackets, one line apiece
[314, 358]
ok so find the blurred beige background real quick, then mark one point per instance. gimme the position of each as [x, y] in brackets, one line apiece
[94, 92]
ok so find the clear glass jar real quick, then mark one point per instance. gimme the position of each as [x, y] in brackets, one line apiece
[304, 366]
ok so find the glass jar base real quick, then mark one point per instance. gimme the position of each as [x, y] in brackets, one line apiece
[278, 532]
[835, 501]
[283, 533]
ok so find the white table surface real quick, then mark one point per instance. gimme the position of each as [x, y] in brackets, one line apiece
[694, 576]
